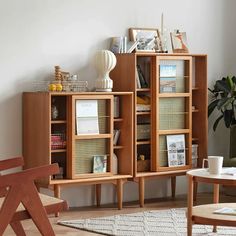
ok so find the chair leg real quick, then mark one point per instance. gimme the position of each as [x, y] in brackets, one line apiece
[18, 228]
[34, 206]
[9, 206]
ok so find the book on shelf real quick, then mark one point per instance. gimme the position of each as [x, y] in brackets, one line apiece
[143, 103]
[99, 163]
[167, 78]
[225, 211]
[116, 106]
[138, 84]
[87, 117]
[176, 149]
[141, 77]
[116, 135]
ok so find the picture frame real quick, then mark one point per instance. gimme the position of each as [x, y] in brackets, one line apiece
[99, 163]
[176, 150]
[148, 38]
[179, 42]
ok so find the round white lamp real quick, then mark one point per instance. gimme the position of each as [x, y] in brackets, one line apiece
[105, 61]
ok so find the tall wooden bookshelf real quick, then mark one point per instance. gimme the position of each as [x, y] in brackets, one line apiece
[48, 139]
[176, 108]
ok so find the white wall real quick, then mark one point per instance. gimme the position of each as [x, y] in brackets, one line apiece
[36, 35]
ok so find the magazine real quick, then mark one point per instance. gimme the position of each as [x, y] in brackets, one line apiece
[176, 150]
[225, 211]
[167, 78]
[99, 164]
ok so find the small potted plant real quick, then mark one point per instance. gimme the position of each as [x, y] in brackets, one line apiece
[224, 100]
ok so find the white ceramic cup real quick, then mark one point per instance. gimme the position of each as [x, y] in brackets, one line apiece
[215, 164]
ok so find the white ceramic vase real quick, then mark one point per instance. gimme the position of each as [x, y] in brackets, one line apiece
[105, 61]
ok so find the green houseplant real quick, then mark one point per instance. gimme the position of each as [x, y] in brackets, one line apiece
[224, 100]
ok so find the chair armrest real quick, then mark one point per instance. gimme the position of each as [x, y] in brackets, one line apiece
[28, 175]
[11, 163]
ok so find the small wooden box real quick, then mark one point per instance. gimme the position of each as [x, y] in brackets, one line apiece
[143, 165]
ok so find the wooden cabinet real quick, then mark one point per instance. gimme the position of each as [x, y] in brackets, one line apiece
[51, 134]
[170, 98]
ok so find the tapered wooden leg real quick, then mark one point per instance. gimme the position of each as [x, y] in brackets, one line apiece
[34, 206]
[190, 205]
[9, 207]
[195, 186]
[18, 228]
[173, 186]
[216, 200]
[98, 188]
[141, 191]
[57, 194]
[120, 193]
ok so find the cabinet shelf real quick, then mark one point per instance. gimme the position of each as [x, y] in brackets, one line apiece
[58, 122]
[118, 147]
[58, 150]
[142, 113]
[143, 90]
[118, 119]
[92, 136]
[174, 131]
[146, 142]
[173, 95]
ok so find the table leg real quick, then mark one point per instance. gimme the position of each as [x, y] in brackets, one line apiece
[173, 186]
[120, 193]
[141, 191]
[190, 205]
[57, 194]
[216, 197]
[98, 194]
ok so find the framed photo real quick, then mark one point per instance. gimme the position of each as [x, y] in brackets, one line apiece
[179, 42]
[99, 164]
[148, 39]
[176, 150]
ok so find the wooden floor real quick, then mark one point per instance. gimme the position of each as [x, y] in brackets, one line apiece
[89, 212]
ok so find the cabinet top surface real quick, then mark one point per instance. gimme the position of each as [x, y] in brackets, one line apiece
[164, 54]
[203, 173]
[79, 93]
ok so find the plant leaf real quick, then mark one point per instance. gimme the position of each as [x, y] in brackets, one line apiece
[228, 117]
[212, 106]
[217, 122]
[230, 83]
[224, 102]
[222, 86]
[234, 79]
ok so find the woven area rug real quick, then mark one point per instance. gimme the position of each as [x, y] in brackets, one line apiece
[170, 222]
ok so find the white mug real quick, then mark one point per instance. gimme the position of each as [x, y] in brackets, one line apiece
[215, 164]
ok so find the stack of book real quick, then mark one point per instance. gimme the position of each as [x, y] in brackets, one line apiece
[140, 78]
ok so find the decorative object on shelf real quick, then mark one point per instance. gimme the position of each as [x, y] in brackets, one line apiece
[179, 42]
[99, 164]
[58, 75]
[176, 150]
[105, 61]
[163, 36]
[54, 112]
[167, 78]
[145, 37]
[114, 164]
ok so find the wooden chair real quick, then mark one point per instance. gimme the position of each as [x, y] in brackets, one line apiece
[20, 200]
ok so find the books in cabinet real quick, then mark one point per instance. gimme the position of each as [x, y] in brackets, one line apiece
[87, 117]
[176, 150]
[116, 135]
[141, 77]
[99, 163]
